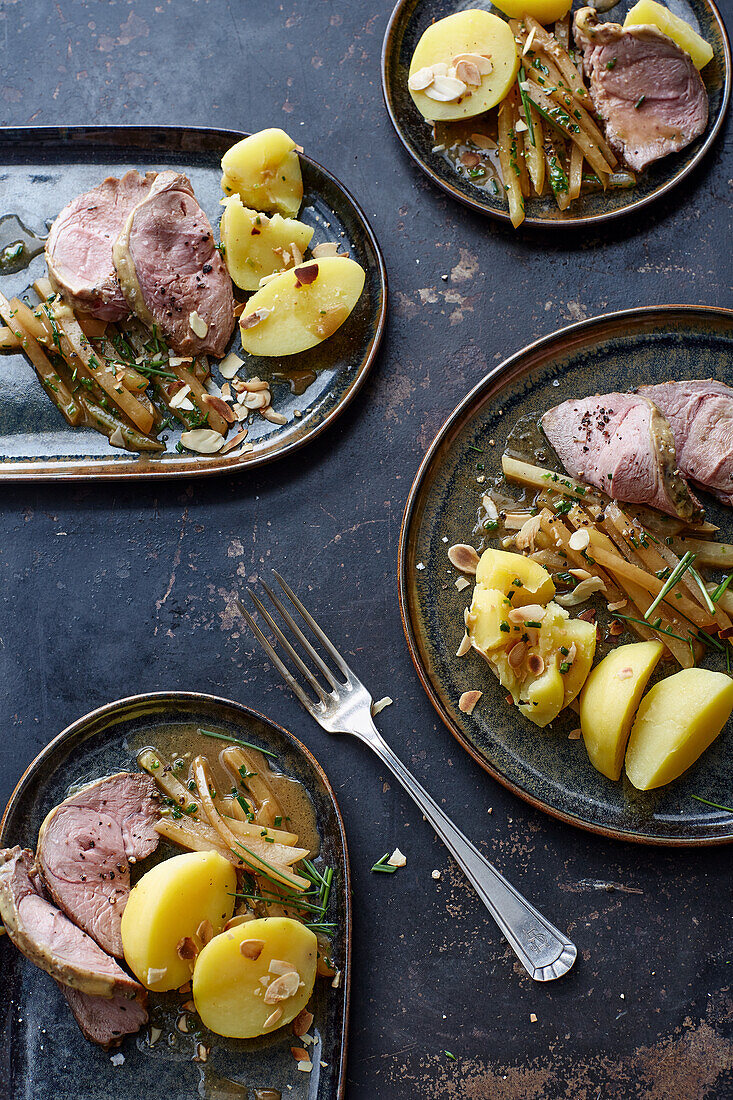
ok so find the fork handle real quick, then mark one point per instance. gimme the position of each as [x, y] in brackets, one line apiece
[542, 949]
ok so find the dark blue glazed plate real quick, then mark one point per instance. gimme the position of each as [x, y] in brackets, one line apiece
[615, 352]
[44, 1055]
[41, 169]
[407, 24]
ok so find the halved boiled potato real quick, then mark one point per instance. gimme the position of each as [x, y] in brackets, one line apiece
[301, 307]
[609, 700]
[544, 11]
[167, 906]
[648, 12]
[264, 170]
[255, 977]
[476, 33]
[677, 720]
[255, 245]
[521, 578]
[486, 622]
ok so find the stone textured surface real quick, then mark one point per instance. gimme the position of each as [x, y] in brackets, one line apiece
[107, 591]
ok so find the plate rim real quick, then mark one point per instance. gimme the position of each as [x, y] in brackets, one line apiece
[108, 710]
[554, 223]
[24, 472]
[454, 418]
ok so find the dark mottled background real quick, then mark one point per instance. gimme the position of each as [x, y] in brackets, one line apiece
[108, 591]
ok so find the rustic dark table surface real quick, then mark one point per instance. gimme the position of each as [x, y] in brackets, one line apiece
[107, 591]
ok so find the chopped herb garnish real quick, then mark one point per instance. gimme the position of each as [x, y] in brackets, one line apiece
[504, 627]
[717, 805]
[382, 865]
[715, 596]
[639, 102]
[236, 741]
[677, 573]
[611, 64]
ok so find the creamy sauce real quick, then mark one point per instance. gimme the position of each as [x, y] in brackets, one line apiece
[479, 166]
[297, 380]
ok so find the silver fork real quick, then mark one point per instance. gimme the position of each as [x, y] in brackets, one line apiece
[542, 949]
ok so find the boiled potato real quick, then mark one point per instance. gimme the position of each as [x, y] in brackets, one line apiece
[677, 720]
[544, 11]
[486, 623]
[582, 635]
[472, 35]
[255, 245]
[301, 307]
[649, 13]
[255, 977]
[168, 905]
[525, 579]
[264, 170]
[609, 700]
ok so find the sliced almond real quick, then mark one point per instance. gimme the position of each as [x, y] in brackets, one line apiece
[253, 385]
[470, 160]
[256, 400]
[397, 859]
[219, 406]
[421, 79]
[579, 539]
[535, 664]
[480, 60]
[528, 532]
[273, 1018]
[229, 446]
[198, 325]
[202, 1052]
[445, 89]
[575, 735]
[463, 557]
[330, 320]
[481, 141]
[282, 988]
[464, 647]
[580, 574]
[274, 417]
[205, 932]
[468, 72]
[251, 949]
[296, 254]
[306, 274]
[179, 397]
[462, 582]
[326, 248]
[380, 705]
[300, 1054]
[468, 701]
[617, 605]
[251, 319]
[117, 439]
[186, 949]
[203, 440]
[517, 654]
[582, 593]
[302, 1022]
[531, 612]
[229, 365]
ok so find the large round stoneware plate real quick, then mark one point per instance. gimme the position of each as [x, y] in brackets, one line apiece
[44, 1053]
[42, 169]
[411, 18]
[545, 767]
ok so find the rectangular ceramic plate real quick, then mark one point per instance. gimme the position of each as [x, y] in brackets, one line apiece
[43, 168]
[44, 1055]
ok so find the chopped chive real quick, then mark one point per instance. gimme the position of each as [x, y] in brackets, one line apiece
[526, 105]
[705, 595]
[716, 805]
[236, 741]
[382, 865]
[715, 596]
[677, 573]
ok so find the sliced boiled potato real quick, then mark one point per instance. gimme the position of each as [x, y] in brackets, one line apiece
[264, 170]
[301, 307]
[486, 623]
[473, 36]
[544, 11]
[255, 977]
[677, 720]
[649, 13]
[167, 907]
[523, 580]
[256, 245]
[609, 700]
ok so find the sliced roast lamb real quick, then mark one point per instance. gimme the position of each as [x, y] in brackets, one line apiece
[700, 414]
[106, 1020]
[622, 444]
[49, 939]
[85, 846]
[79, 245]
[171, 272]
[644, 87]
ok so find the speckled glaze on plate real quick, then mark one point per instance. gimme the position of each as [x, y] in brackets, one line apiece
[41, 169]
[44, 1054]
[615, 352]
[407, 24]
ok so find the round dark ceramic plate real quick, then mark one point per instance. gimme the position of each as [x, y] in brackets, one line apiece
[44, 1053]
[407, 24]
[43, 168]
[553, 773]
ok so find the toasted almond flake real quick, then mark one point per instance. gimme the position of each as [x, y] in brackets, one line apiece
[326, 248]
[256, 400]
[179, 360]
[186, 949]
[421, 79]
[233, 442]
[468, 72]
[117, 1059]
[439, 149]
[464, 647]
[179, 396]
[580, 574]
[436, 874]
[300, 1054]
[528, 532]
[188, 1006]
[330, 320]
[156, 974]
[572, 653]
[305, 1067]
[535, 664]
[251, 949]
[302, 1022]
[468, 701]
[379, 706]
[306, 274]
[226, 392]
[336, 982]
[530, 40]
[445, 89]
[229, 365]
[470, 160]
[480, 60]
[615, 628]
[324, 1064]
[254, 385]
[532, 1016]
[182, 1024]
[296, 254]
[579, 539]
[239, 309]
[280, 966]
[268, 278]
[185, 988]
[589, 615]
[273, 1018]
[248, 447]
[205, 932]
[203, 440]
[617, 605]
[397, 859]
[624, 673]
[525, 85]
[531, 612]
[582, 593]
[240, 412]
[274, 417]
[202, 1052]
[117, 439]
[517, 654]
[520, 126]
[307, 1039]
[463, 557]
[481, 141]
[575, 735]
[440, 68]
[251, 319]
[461, 583]
[198, 325]
[241, 918]
[219, 406]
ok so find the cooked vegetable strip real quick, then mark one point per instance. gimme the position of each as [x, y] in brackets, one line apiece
[534, 151]
[214, 419]
[510, 170]
[556, 173]
[717, 554]
[517, 147]
[119, 433]
[545, 42]
[575, 174]
[59, 393]
[245, 770]
[166, 781]
[538, 477]
[8, 340]
[195, 840]
[281, 854]
[560, 118]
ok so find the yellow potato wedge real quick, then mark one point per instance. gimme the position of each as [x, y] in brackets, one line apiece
[256, 245]
[470, 34]
[301, 307]
[165, 910]
[264, 170]
[255, 977]
[677, 720]
[649, 13]
[609, 700]
[544, 11]
[525, 579]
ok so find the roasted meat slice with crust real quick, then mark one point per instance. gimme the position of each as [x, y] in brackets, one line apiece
[700, 413]
[85, 846]
[622, 444]
[79, 245]
[49, 939]
[645, 88]
[106, 1020]
[171, 272]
